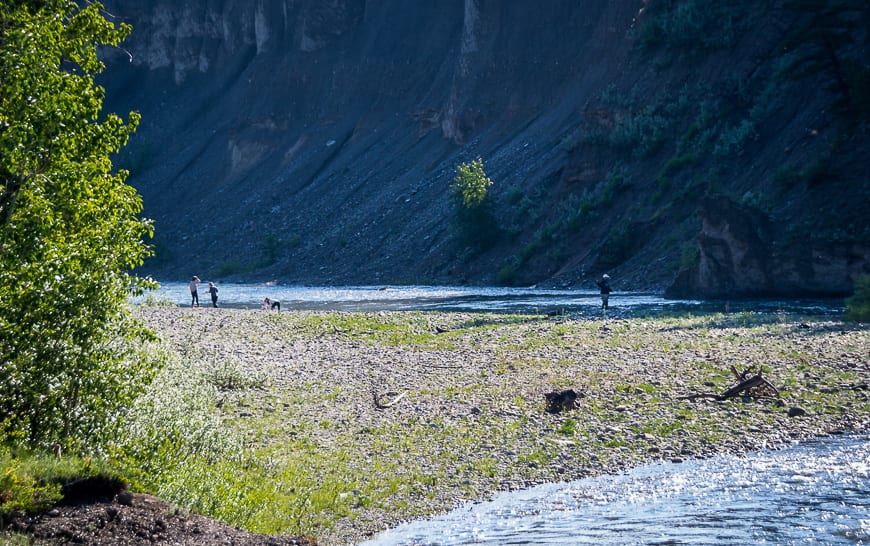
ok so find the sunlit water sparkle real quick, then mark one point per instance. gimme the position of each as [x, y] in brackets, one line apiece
[814, 493]
[466, 299]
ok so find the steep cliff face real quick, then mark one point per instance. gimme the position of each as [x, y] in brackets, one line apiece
[739, 257]
[316, 141]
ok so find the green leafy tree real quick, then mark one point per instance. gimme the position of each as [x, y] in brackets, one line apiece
[822, 37]
[691, 24]
[471, 183]
[475, 219]
[70, 231]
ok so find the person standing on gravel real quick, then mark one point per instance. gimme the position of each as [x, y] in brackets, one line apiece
[604, 286]
[194, 296]
[213, 290]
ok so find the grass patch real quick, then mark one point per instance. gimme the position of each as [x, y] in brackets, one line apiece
[858, 306]
[33, 482]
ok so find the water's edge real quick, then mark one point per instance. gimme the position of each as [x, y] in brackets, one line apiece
[467, 299]
[813, 492]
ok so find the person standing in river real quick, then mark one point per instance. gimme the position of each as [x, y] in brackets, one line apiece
[213, 290]
[604, 286]
[194, 296]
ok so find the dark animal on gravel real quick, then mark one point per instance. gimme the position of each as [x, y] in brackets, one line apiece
[560, 400]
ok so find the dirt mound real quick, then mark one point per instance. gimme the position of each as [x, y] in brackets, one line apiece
[130, 519]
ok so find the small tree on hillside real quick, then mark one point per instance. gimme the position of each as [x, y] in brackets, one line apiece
[69, 231]
[471, 183]
[475, 219]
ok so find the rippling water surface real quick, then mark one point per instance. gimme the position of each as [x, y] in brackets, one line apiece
[813, 493]
[456, 298]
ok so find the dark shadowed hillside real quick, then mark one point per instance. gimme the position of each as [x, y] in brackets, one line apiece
[707, 147]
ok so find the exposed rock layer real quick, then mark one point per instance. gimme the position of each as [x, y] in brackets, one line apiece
[738, 259]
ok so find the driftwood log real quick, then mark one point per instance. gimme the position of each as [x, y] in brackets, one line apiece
[381, 404]
[754, 385]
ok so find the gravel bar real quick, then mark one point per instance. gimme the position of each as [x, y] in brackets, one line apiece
[419, 412]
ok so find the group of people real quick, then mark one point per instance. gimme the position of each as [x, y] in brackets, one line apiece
[195, 281]
[194, 292]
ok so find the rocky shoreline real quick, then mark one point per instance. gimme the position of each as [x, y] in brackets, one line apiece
[451, 407]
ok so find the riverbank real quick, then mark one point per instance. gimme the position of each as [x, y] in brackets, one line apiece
[345, 424]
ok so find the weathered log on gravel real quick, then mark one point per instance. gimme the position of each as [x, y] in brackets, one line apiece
[384, 405]
[755, 385]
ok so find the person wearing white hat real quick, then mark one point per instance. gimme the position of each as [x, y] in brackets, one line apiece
[604, 285]
[213, 290]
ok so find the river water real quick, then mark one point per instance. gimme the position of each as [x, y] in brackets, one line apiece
[471, 299]
[813, 493]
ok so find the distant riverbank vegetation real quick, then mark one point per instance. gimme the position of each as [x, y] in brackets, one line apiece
[858, 306]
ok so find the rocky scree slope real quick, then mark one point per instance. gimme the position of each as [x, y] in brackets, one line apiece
[316, 142]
